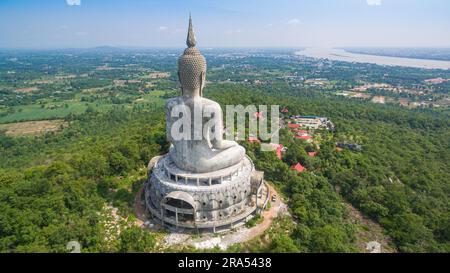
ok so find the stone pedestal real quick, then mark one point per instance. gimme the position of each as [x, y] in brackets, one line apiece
[207, 201]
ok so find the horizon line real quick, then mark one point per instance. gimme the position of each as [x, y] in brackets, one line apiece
[211, 47]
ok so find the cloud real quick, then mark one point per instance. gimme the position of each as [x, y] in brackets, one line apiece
[234, 31]
[373, 2]
[294, 22]
[73, 2]
[163, 28]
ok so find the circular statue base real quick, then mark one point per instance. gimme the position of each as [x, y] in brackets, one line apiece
[208, 202]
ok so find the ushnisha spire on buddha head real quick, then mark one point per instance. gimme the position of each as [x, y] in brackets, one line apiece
[191, 66]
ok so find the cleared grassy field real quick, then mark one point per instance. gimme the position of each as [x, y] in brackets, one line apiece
[154, 97]
[64, 108]
[35, 112]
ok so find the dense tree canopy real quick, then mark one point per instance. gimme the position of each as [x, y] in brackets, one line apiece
[52, 187]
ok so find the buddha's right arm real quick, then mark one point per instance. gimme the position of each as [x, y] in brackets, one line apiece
[169, 122]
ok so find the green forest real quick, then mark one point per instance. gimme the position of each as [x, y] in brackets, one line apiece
[54, 188]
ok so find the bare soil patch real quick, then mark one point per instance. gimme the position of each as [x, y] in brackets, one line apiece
[369, 231]
[27, 90]
[157, 75]
[32, 127]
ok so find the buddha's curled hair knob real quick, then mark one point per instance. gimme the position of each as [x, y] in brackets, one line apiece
[190, 41]
[192, 64]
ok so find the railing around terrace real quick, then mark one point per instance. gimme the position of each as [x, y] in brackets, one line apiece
[197, 179]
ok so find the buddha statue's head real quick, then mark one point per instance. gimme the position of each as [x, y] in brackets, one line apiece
[191, 67]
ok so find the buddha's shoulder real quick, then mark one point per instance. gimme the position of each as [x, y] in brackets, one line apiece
[173, 101]
[180, 100]
[209, 102]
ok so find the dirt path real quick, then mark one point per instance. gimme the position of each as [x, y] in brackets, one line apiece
[276, 208]
[207, 241]
[370, 236]
[139, 209]
[242, 234]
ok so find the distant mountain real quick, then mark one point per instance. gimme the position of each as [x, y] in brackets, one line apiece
[101, 49]
[106, 48]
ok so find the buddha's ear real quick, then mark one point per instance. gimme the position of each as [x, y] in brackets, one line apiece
[179, 79]
[202, 79]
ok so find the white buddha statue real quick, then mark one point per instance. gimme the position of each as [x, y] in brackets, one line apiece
[208, 151]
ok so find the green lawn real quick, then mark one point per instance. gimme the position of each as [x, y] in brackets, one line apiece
[35, 112]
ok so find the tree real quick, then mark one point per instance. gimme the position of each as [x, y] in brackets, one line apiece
[134, 239]
[118, 163]
[282, 243]
[328, 239]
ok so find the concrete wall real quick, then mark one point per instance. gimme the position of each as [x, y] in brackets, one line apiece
[213, 204]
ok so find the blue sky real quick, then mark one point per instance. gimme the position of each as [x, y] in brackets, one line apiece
[225, 23]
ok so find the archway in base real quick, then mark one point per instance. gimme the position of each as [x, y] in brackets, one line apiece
[179, 206]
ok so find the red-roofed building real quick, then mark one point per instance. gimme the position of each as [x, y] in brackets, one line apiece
[312, 153]
[259, 115]
[293, 125]
[299, 168]
[284, 110]
[253, 140]
[279, 153]
[302, 133]
[278, 149]
[304, 137]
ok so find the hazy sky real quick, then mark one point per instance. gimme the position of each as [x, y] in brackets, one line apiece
[226, 23]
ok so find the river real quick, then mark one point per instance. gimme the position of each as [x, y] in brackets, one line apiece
[342, 55]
